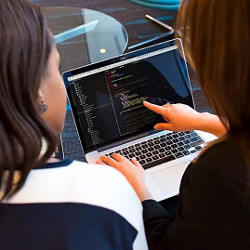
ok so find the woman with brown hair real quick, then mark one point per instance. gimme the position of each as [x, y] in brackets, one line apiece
[214, 207]
[46, 203]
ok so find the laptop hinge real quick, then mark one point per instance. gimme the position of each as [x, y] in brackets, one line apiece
[115, 144]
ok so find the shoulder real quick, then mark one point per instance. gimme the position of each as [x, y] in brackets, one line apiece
[221, 163]
[223, 153]
[79, 182]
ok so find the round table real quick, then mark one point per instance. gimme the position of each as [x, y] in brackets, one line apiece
[85, 36]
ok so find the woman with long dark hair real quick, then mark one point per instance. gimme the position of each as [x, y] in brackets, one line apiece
[46, 203]
[214, 201]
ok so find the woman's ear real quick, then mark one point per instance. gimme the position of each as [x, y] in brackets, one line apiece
[40, 95]
[41, 100]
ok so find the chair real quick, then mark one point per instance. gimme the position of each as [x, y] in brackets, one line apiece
[159, 4]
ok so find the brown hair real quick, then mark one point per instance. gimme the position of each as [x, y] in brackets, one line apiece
[216, 40]
[25, 46]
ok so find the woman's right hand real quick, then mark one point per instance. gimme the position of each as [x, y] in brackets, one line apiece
[178, 117]
[181, 117]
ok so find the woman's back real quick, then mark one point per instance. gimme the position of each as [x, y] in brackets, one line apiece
[72, 205]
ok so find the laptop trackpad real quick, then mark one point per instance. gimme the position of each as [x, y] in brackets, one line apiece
[168, 179]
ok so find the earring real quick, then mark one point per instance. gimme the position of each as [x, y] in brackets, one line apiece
[44, 107]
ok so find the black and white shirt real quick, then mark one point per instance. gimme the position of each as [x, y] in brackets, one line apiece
[72, 205]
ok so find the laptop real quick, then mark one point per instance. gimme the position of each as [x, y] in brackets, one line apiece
[106, 100]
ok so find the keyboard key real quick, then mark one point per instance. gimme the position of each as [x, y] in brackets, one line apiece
[192, 151]
[155, 157]
[194, 139]
[142, 162]
[198, 148]
[196, 143]
[179, 155]
[193, 134]
[149, 160]
[142, 157]
[163, 139]
[161, 155]
[180, 149]
[186, 152]
[158, 162]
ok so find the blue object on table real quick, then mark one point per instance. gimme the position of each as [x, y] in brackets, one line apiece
[77, 31]
[158, 4]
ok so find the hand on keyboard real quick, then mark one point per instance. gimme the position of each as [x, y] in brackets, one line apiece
[132, 170]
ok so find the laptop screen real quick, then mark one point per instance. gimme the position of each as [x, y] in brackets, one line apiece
[106, 97]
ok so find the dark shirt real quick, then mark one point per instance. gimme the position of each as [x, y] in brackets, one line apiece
[214, 208]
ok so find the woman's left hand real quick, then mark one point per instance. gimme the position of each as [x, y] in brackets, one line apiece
[133, 172]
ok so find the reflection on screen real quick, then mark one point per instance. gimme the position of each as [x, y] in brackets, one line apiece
[109, 103]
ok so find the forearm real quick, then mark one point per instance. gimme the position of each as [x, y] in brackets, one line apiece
[211, 123]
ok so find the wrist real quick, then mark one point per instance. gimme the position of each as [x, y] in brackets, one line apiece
[210, 123]
[143, 193]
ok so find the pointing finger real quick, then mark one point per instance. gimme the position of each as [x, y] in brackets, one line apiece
[155, 108]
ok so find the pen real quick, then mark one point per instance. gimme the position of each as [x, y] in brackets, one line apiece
[160, 23]
[154, 39]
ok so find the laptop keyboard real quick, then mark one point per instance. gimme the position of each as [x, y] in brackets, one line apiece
[163, 148]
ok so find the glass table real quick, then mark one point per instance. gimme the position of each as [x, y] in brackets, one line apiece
[85, 36]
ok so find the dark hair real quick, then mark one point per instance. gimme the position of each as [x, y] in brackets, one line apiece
[25, 46]
[216, 40]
